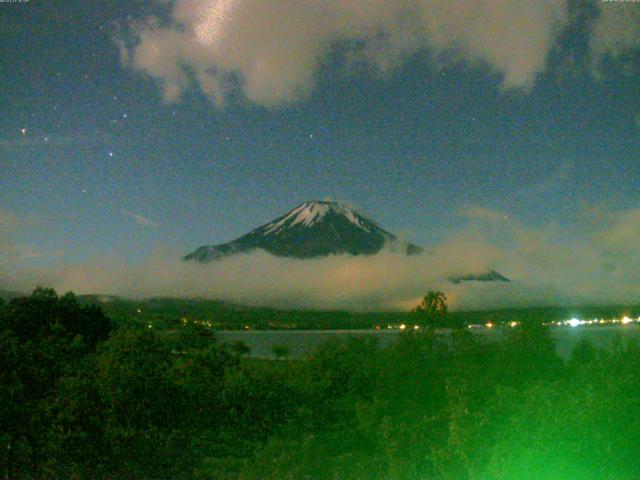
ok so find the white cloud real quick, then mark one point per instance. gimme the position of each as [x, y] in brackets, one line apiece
[477, 213]
[616, 30]
[270, 49]
[548, 266]
[27, 252]
[591, 263]
[140, 220]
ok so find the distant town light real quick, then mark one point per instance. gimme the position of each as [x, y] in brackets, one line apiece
[574, 322]
[626, 320]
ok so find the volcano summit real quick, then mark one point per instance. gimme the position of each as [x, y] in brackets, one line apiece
[311, 230]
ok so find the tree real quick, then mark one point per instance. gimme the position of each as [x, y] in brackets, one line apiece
[433, 307]
[239, 348]
[280, 351]
[43, 338]
[44, 313]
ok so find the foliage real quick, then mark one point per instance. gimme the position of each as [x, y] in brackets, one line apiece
[280, 351]
[433, 303]
[43, 338]
[433, 309]
[177, 404]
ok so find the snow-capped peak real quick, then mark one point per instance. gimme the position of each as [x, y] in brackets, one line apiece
[312, 229]
[353, 218]
[310, 213]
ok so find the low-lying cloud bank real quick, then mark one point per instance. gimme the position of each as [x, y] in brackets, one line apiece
[595, 262]
[270, 50]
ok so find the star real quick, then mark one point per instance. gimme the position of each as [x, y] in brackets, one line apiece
[124, 115]
[311, 135]
[23, 131]
[46, 139]
[111, 154]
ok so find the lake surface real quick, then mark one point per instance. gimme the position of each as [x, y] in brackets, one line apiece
[302, 342]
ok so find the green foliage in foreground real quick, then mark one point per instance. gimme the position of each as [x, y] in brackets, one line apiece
[177, 405]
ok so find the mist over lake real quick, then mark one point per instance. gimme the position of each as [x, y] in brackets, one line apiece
[300, 343]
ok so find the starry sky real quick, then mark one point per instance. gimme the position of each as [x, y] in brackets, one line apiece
[126, 124]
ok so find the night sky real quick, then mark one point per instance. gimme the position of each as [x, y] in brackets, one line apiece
[106, 146]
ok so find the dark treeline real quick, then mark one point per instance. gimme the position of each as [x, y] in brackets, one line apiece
[82, 398]
[166, 312]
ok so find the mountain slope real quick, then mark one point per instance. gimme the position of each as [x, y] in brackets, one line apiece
[490, 276]
[312, 229]
[316, 229]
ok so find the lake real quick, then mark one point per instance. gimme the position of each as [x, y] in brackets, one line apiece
[302, 342]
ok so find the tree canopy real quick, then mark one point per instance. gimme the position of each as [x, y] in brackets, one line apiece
[135, 402]
[433, 309]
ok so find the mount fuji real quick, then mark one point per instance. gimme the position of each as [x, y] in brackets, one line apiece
[317, 229]
[312, 229]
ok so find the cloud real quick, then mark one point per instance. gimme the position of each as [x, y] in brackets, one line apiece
[8, 226]
[12, 252]
[140, 220]
[616, 31]
[7, 221]
[622, 232]
[553, 181]
[270, 50]
[595, 263]
[27, 252]
[476, 213]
